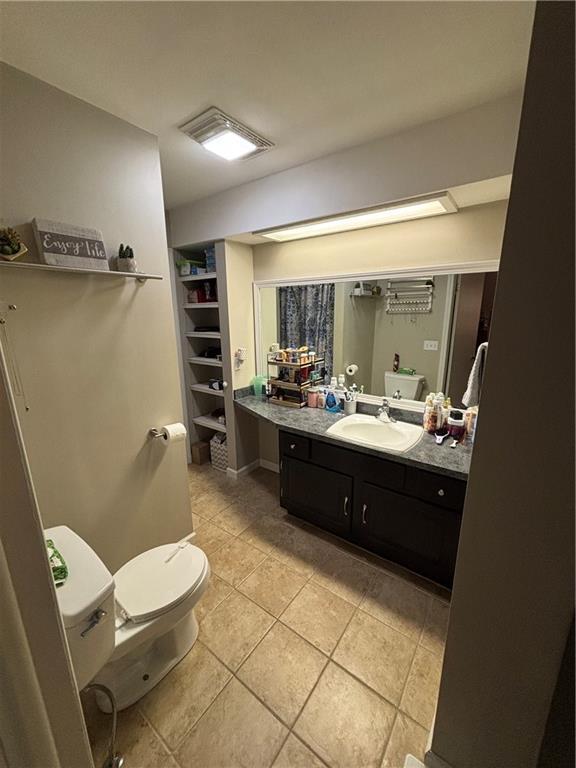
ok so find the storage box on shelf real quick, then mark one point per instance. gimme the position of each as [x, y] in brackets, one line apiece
[296, 370]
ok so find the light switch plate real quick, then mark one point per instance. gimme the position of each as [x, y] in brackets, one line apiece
[431, 345]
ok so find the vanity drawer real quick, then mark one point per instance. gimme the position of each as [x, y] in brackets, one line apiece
[437, 489]
[294, 445]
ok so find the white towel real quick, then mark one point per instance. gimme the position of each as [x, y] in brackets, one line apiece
[472, 394]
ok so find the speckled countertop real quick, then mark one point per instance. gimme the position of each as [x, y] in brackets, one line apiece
[453, 462]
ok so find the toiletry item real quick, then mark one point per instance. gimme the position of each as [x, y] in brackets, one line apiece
[333, 382]
[332, 402]
[321, 399]
[407, 371]
[341, 381]
[312, 397]
[427, 411]
[453, 444]
[441, 435]
[275, 347]
[456, 424]
[396, 363]
[439, 409]
[350, 407]
[470, 419]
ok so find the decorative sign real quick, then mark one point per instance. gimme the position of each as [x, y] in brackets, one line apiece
[64, 245]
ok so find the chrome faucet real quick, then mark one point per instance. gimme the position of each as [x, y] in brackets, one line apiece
[397, 395]
[383, 413]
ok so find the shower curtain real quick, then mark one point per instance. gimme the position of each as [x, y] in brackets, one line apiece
[306, 315]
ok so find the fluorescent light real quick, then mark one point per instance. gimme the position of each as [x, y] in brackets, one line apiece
[391, 214]
[229, 145]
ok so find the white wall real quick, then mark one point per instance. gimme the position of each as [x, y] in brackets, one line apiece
[97, 356]
[471, 235]
[466, 147]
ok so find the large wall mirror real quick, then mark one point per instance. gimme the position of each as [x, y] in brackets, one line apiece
[427, 326]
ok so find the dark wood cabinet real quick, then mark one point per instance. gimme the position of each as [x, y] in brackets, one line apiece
[317, 494]
[405, 514]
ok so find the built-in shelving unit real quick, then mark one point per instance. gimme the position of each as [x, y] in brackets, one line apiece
[109, 273]
[201, 331]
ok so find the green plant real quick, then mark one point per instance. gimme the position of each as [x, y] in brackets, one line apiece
[9, 241]
[125, 252]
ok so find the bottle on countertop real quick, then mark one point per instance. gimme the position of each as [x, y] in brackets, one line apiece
[321, 402]
[436, 417]
[396, 363]
[427, 410]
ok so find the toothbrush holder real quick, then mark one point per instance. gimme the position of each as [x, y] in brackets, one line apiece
[349, 407]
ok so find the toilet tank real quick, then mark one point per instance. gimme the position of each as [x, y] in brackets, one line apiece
[410, 386]
[86, 602]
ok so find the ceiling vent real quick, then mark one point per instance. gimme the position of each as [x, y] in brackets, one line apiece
[224, 136]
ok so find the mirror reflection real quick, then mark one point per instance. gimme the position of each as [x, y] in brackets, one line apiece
[392, 337]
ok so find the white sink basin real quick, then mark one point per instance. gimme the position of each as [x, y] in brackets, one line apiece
[370, 431]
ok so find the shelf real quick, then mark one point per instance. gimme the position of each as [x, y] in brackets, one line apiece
[140, 276]
[209, 422]
[202, 305]
[288, 384]
[203, 335]
[205, 276]
[205, 389]
[296, 365]
[205, 361]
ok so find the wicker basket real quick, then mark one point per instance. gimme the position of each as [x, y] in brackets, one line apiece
[219, 454]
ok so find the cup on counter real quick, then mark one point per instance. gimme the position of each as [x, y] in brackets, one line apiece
[350, 407]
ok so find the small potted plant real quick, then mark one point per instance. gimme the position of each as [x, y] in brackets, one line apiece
[126, 261]
[11, 246]
[184, 267]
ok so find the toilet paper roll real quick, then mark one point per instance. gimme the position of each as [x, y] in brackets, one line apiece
[352, 370]
[173, 433]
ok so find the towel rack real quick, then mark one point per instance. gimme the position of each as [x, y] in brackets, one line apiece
[409, 296]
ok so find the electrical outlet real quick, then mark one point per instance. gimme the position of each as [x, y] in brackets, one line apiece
[431, 345]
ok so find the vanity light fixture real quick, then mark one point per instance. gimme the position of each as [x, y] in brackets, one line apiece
[224, 136]
[415, 208]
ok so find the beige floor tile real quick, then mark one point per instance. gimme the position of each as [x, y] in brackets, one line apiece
[237, 731]
[135, 739]
[235, 561]
[435, 627]
[345, 576]
[233, 629]
[216, 592]
[345, 722]
[281, 671]
[319, 616]
[179, 700]
[408, 738]
[300, 549]
[264, 533]
[210, 501]
[237, 517]
[210, 538]
[272, 585]
[398, 604]
[377, 654]
[421, 692]
[295, 754]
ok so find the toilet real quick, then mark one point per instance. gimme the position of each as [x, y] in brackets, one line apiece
[410, 386]
[129, 630]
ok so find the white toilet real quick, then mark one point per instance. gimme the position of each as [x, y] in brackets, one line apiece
[128, 631]
[409, 386]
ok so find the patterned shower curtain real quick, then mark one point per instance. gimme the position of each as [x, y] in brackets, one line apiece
[306, 314]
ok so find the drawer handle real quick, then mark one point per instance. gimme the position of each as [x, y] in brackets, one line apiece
[345, 506]
[364, 510]
[441, 492]
[292, 446]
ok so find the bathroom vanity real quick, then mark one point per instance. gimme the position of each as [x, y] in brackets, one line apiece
[405, 507]
[407, 515]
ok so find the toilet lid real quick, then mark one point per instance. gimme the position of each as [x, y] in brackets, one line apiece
[158, 579]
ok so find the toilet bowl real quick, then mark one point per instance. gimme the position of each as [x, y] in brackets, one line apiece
[128, 631]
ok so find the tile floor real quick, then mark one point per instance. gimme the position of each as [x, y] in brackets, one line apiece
[311, 653]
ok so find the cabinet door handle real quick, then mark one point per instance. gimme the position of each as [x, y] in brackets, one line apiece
[292, 446]
[441, 492]
[346, 506]
[364, 509]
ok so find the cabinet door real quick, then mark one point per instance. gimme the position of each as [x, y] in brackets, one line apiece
[319, 495]
[417, 535]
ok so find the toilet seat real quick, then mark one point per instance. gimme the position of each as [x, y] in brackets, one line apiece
[157, 580]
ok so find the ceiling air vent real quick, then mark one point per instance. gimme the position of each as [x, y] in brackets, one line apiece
[224, 136]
